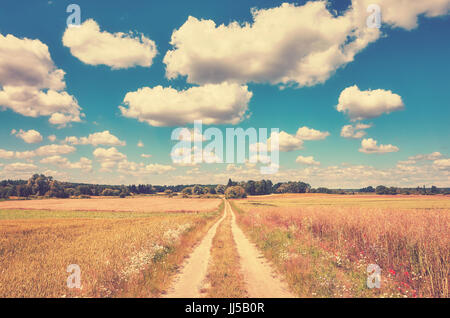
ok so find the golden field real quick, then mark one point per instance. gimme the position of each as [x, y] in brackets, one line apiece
[151, 203]
[119, 253]
[319, 244]
[322, 244]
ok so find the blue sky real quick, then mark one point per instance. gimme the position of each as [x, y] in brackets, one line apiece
[406, 59]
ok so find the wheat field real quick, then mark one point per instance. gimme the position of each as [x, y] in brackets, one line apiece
[323, 244]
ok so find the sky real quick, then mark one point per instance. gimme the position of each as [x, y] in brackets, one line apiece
[356, 103]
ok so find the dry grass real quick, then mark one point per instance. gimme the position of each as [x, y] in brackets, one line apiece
[324, 250]
[130, 204]
[119, 256]
[224, 279]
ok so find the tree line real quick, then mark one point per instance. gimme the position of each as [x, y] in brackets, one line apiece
[40, 185]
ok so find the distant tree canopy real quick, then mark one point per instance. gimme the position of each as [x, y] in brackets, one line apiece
[293, 187]
[46, 186]
[220, 189]
[385, 190]
[367, 189]
[235, 192]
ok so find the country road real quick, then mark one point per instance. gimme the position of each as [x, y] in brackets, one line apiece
[260, 279]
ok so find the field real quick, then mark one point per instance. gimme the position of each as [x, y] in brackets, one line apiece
[131, 204]
[323, 244]
[301, 245]
[119, 253]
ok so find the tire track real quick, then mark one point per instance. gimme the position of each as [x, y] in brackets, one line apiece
[261, 280]
[189, 281]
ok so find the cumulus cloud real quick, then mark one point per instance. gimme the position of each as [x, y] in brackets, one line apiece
[108, 157]
[286, 44]
[191, 135]
[301, 44]
[145, 155]
[191, 156]
[359, 105]
[135, 169]
[6, 154]
[27, 63]
[20, 168]
[31, 85]
[404, 14]
[306, 133]
[48, 150]
[156, 168]
[84, 163]
[30, 136]
[286, 142]
[52, 138]
[443, 164]
[95, 139]
[140, 144]
[307, 160]
[166, 106]
[432, 156]
[370, 146]
[406, 162]
[117, 50]
[354, 131]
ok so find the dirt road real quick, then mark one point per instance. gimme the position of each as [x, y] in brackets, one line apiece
[260, 279]
[189, 281]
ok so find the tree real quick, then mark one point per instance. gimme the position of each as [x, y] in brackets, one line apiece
[220, 189]
[367, 189]
[187, 191]
[235, 192]
[197, 190]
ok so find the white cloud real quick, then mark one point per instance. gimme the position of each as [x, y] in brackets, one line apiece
[360, 105]
[191, 135]
[165, 106]
[117, 50]
[287, 44]
[286, 142]
[28, 101]
[432, 156]
[51, 150]
[95, 139]
[108, 158]
[404, 14]
[370, 146]
[144, 155]
[48, 150]
[140, 144]
[307, 160]
[301, 44]
[6, 154]
[25, 154]
[27, 63]
[138, 169]
[20, 167]
[84, 163]
[354, 131]
[406, 162]
[31, 85]
[52, 138]
[31, 136]
[156, 168]
[306, 133]
[443, 164]
[187, 157]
